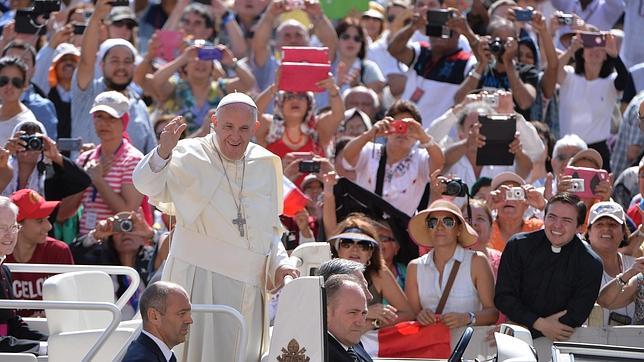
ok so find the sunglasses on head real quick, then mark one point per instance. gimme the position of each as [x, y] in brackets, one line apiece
[449, 222]
[356, 38]
[15, 81]
[364, 245]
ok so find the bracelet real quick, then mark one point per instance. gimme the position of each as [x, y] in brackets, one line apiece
[375, 324]
[474, 74]
[621, 281]
[426, 144]
[227, 18]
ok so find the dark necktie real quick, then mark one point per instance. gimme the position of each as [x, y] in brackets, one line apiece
[173, 358]
[352, 353]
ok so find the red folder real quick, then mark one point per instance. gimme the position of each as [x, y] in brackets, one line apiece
[316, 55]
[302, 77]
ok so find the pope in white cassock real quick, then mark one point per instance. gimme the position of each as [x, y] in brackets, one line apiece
[226, 194]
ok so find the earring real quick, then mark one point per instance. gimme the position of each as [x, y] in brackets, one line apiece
[368, 262]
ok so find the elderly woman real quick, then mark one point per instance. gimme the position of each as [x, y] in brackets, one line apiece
[357, 239]
[588, 91]
[294, 126]
[443, 227]
[194, 95]
[400, 169]
[606, 232]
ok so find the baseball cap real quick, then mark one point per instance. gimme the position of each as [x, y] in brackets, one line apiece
[111, 102]
[375, 11]
[119, 13]
[504, 177]
[114, 42]
[236, 97]
[65, 49]
[31, 205]
[588, 154]
[606, 209]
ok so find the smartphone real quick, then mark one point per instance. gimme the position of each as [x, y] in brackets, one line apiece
[115, 3]
[309, 166]
[69, 144]
[436, 20]
[79, 29]
[593, 40]
[46, 7]
[209, 53]
[522, 14]
[25, 23]
[617, 319]
[294, 4]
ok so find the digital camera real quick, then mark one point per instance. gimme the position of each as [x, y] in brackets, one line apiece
[515, 193]
[455, 187]
[398, 126]
[523, 14]
[33, 143]
[497, 47]
[123, 226]
[565, 19]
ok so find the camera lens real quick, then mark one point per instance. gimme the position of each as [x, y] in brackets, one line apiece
[34, 143]
[497, 47]
[126, 225]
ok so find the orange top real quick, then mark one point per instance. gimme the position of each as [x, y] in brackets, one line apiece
[496, 240]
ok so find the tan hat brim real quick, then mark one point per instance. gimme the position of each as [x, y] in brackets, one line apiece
[419, 231]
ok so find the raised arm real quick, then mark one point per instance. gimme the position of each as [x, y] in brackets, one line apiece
[328, 124]
[549, 78]
[473, 79]
[160, 81]
[523, 93]
[398, 47]
[90, 43]
[353, 148]
[322, 25]
[564, 59]
[244, 81]
[260, 43]
[227, 19]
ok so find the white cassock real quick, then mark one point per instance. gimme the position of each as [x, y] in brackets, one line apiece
[208, 257]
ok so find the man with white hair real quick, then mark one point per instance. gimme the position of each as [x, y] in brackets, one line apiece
[17, 337]
[226, 194]
[288, 33]
[116, 58]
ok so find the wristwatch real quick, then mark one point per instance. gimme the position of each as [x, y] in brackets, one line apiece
[472, 319]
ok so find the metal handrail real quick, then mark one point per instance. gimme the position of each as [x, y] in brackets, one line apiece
[218, 308]
[37, 304]
[66, 268]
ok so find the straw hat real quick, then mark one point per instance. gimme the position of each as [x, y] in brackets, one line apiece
[419, 231]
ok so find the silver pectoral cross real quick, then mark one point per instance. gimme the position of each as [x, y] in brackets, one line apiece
[240, 222]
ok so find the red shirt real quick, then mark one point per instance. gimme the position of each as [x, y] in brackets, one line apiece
[29, 285]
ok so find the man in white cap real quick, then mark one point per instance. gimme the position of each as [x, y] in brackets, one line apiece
[116, 58]
[226, 194]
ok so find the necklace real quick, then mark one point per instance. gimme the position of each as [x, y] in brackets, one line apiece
[297, 142]
[240, 221]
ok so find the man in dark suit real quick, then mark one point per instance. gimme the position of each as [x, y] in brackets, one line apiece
[165, 310]
[15, 333]
[346, 319]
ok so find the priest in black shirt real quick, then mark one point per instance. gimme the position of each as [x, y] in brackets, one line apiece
[549, 279]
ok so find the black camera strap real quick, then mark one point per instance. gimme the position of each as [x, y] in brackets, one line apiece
[380, 174]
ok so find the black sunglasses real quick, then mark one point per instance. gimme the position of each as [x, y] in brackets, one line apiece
[15, 81]
[449, 222]
[121, 23]
[364, 245]
[346, 36]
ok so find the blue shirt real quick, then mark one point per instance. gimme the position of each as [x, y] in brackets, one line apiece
[43, 109]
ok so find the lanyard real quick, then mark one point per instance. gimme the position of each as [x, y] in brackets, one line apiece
[98, 152]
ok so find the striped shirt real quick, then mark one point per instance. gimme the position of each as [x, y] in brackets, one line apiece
[120, 173]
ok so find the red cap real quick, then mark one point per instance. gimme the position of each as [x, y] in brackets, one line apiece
[31, 205]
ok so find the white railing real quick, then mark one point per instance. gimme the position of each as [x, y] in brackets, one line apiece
[37, 304]
[66, 268]
[217, 308]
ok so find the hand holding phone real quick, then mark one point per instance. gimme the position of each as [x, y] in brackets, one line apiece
[523, 14]
[309, 166]
[209, 53]
[593, 40]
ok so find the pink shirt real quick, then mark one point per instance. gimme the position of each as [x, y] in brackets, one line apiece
[120, 173]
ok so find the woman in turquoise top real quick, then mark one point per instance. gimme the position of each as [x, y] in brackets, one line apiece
[197, 88]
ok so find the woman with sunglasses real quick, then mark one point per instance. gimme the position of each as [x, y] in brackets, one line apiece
[470, 300]
[198, 90]
[356, 239]
[13, 73]
[350, 61]
[295, 125]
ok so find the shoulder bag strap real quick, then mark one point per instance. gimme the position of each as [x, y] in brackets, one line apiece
[380, 174]
[448, 287]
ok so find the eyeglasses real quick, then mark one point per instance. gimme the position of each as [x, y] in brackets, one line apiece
[563, 157]
[448, 222]
[9, 229]
[364, 245]
[15, 81]
[296, 96]
[356, 38]
[121, 23]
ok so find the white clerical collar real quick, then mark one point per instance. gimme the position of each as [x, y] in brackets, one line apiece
[346, 348]
[167, 353]
[555, 249]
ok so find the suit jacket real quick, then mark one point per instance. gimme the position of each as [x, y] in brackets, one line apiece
[144, 349]
[337, 353]
[19, 337]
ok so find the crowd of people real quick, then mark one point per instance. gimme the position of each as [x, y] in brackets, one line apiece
[504, 138]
